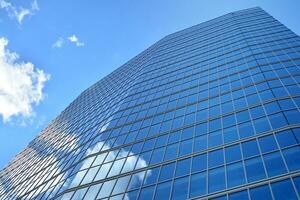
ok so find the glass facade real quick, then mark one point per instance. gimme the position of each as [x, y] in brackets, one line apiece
[212, 111]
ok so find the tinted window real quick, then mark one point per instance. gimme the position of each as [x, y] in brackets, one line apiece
[198, 184]
[216, 179]
[250, 148]
[233, 153]
[262, 192]
[235, 174]
[199, 163]
[292, 158]
[254, 169]
[274, 164]
[283, 190]
[163, 190]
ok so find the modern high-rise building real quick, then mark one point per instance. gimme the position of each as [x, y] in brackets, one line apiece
[209, 112]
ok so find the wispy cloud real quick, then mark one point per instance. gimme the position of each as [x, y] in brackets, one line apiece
[19, 13]
[21, 84]
[73, 38]
[58, 43]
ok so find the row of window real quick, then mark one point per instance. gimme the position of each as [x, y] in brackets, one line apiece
[177, 182]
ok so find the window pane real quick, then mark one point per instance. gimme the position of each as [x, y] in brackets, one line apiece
[274, 164]
[121, 185]
[151, 176]
[200, 143]
[239, 195]
[183, 167]
[216, 179]
[230, 134]
[147, 193]
[286, 138]
[267, 143]
[199, 163]
[198, 184]
[163, 190]
[250, 148]
[233, 153]
[171, 152]
[255, 169]
[235, 174]
[297, 183]
[261, 125]
[186, 147]
[262, 192]
[167, 172]
[215, 158]
[292, 158]
[283, 190]
[106, 189]
[180, 188]
[93, 191]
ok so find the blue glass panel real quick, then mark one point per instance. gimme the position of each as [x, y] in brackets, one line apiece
[131, 195]
[187, 133]
[215, 158]
[274, 164]
[183, 167]
[267, 143]
[174, 137]
[230, 134]
[200, 143]
[286, 138]
[277, 120]
[147, 193]
[292, 158]
[201, 129]
[161, 141]
[293, 116]
[151, 176]
[198, 184]
[167, 172]
[216, 179]
[163, 190]
[261, 125]
[180, 188]
[243, 195]
[297, 183]
[250, 148]
[283, 190]
[215, 139]
[257, 112]
[262, 192]
[157, 155]
[199, 163]
[242, 116]
[149, 144]
[228, 121]
[186, 147]
[272, 108]
[171, 151]
[224, 197]
[246, 130]
[233, 153]
[235, 174]
[254, 169]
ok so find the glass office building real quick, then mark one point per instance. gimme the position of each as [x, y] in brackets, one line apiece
[209, 112]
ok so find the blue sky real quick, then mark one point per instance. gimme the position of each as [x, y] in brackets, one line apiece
[76, 43]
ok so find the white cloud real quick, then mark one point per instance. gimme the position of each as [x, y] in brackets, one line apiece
[59, 42]
[19, 13]
[21, 84]
[73, 38]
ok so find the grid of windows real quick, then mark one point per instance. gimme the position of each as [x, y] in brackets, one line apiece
[212, 111]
